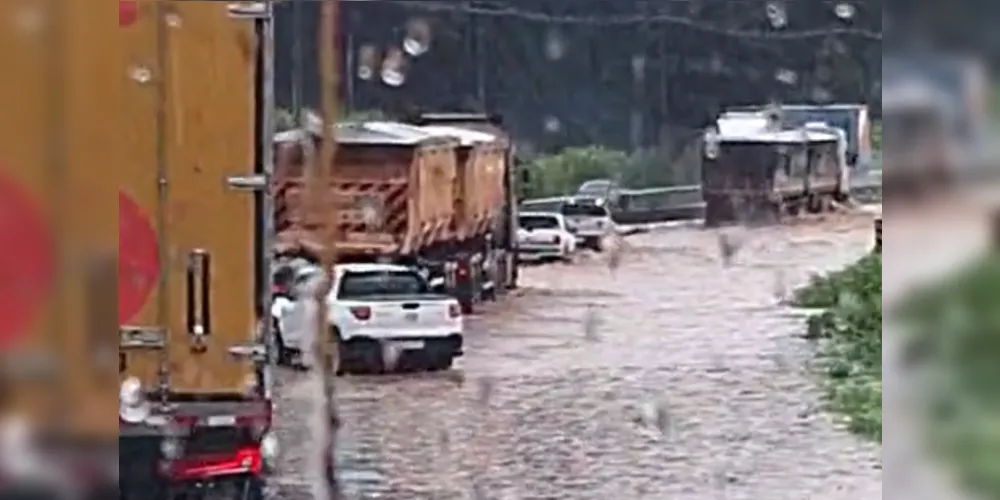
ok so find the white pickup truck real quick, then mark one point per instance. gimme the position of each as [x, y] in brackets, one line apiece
[588, 219]
[386, 316]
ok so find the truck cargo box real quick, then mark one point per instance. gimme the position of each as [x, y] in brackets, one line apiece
[184, 122]
[480, 193]
[58, 330]
[392, 185]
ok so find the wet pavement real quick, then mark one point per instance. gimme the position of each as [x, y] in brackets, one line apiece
[674, 376]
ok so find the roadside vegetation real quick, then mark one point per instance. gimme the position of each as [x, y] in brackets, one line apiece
[849, 332]
[954, 344]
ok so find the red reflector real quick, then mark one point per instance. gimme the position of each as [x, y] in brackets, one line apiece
[246, 460]
[128, 13]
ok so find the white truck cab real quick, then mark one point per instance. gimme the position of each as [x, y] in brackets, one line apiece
[383, 314]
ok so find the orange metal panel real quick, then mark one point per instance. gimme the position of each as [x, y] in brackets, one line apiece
[186, 126]
[413, 186]
[59, 222]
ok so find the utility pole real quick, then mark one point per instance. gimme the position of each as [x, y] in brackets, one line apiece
[325, 215]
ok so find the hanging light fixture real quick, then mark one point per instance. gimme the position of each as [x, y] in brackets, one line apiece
[418, 37]
[394, 68]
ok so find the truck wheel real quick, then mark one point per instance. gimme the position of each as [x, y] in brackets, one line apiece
[816, 204]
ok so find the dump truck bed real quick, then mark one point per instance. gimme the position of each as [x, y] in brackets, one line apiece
[479, 184]
[392, 186]
[184, 122]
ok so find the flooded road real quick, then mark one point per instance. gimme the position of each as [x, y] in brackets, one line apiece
[675, 376]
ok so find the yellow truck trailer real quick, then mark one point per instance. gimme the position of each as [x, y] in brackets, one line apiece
[184, 104]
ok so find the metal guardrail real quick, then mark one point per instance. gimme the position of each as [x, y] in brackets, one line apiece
[643, 206]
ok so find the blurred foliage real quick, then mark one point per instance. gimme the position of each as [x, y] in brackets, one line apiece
[562, 173]
[877, 136]
[285, 118]
[955, 335]
[850, 332]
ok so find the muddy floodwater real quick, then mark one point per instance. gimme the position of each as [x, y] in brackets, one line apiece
[674, 377]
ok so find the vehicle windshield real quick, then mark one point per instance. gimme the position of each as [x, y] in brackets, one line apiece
[584, 209]
[532, 222]
[357, 285]
[595, 187]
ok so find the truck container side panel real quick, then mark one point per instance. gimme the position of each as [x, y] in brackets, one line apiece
[492, 182]
[464, 191]
[496, 178]
[436, 170]
[27, 181]
[210, 130]
[136, 155]
[207, 134]
[88, 206]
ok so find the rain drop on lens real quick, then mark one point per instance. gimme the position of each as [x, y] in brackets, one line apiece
[845, 11]
[140, 74]
[777, 15]
[786, 76]
[555, 46]
[173, 20]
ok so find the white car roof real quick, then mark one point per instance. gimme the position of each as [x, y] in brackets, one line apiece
[555, 215]
[369, 268]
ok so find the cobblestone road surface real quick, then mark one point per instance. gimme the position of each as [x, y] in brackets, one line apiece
[559, 394]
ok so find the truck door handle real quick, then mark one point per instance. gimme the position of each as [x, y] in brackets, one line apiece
[199, 295]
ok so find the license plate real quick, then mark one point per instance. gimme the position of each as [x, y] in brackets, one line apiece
[409, 345]
[411, 317]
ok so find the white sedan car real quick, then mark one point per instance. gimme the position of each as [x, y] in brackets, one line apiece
[544, 236]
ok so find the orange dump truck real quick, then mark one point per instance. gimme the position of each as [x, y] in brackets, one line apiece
[434, 197]
[194, 405]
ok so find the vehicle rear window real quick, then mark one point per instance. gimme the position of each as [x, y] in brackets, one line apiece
[584, 210]
[357, 285]
[541, 206]
[531, 222]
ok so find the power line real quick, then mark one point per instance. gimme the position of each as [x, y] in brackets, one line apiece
[632, 19]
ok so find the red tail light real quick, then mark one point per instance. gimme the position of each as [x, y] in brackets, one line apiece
[361, 313]
[463, 270]
[454, 311]
[245, 460]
